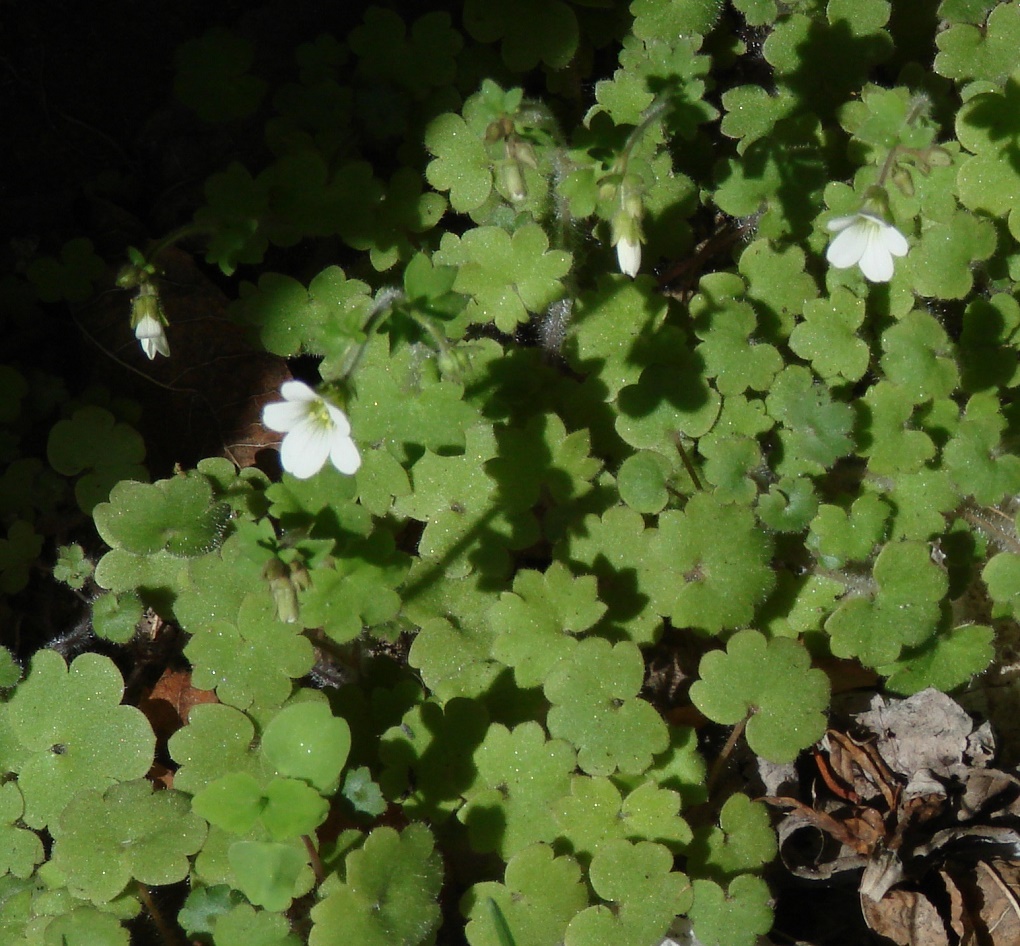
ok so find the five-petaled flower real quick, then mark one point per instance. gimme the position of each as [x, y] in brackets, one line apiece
[866, 240]
[152, 338]
[314, 429]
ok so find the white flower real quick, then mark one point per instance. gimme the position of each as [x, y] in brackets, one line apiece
[314, 429]
[628, 254]
[866, 241]
[152, 338]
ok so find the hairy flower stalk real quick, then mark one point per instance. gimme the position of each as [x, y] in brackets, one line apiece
[314, 430]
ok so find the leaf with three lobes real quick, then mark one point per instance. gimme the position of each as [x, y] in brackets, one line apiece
[102, 840]
[387, 896]
[539, 895]
[69, 732]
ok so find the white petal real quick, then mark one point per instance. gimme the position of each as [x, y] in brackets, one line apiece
[344, 455]
[847, 248]
[895, 242]
[304, 450]
[628, 255]
[841, 223]
[284, 415]
[339, 419]
[150, 347]
[297, 391]
[876, 262]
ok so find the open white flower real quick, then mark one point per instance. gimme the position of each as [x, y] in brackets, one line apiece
[866, 240]
[152, 338]
[314, 430]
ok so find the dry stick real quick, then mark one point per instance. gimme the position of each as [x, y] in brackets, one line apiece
[724, 756]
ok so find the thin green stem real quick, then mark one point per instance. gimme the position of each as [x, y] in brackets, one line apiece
[381, 310]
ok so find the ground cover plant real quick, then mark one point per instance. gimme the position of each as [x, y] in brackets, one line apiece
[529, 408]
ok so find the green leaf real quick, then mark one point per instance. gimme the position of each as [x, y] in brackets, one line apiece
[267, 871]
[245, 926]
[388, 894]
[772, 683]
[594, 813]
[519, 775]
[743, 841]
[72, 734]
[461, 164]
[535, 625]
[104, 839]
[178, 515]
[815, 429]
[732, 916]
[539, 896]
[644, 893]
[981, 51]
[828, 336]
[713, 564]
[904, 612]
[305, 741]
[506, 276]
[596, 707]
[945, 662]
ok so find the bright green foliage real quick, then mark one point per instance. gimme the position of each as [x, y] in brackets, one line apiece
[72, 567]
[539, 896]
[305, 741]
[267, 872]
[286, 809]
[290, 319]
[505, 276]
[815, 429]
[250, 658]
[104, 839]
[904, 611]
[244, 926]
[519, 774]
[564, 266]
[594, 813]
[67, 732]
[828, 337]
[840, 536]
[946, 661]
[770, 683]
[732, 916]
[721, 556]
[596, 708]
[178, 515]
[22, 850]
[534, 625]
[743, 841]
[204, 906]
[217, 739]
[645, 894]
[115, 617]
[982, 50]
[387, 896]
